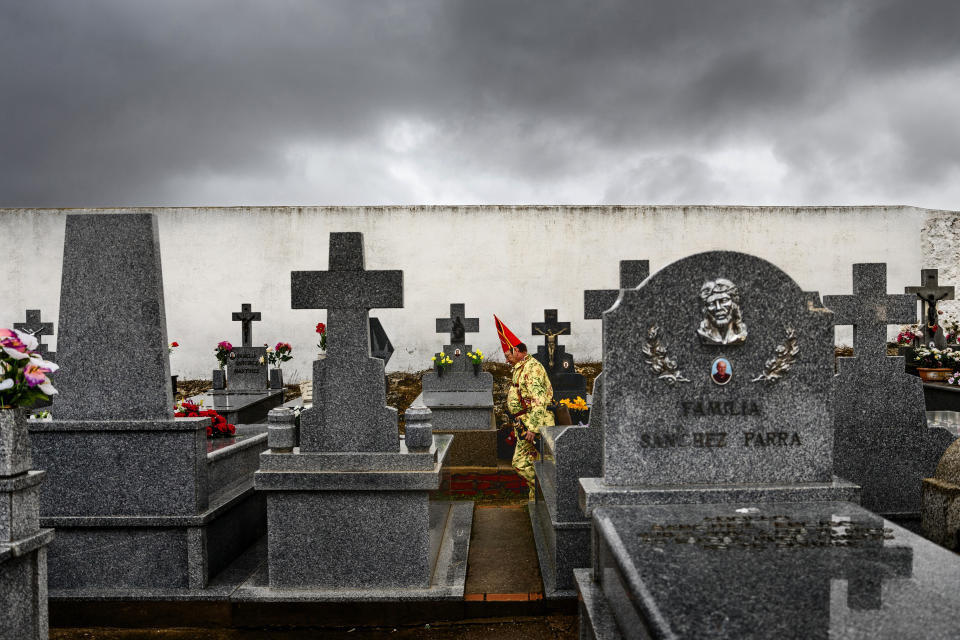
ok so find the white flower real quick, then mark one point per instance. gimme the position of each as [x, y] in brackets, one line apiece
[45, 364]
[27, 339]
[47, 388]
[6, 383]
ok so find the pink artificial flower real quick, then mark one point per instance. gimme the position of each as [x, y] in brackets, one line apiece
[283, 345]
[7, 333]
[45, 365]
[225, 345]
[14, 347]
[34, 375]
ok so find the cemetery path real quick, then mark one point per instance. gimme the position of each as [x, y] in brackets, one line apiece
[503, 562]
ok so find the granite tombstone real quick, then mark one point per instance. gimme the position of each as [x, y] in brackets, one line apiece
[718, 424]
[561, 531]
[131, 491]
[348, 508]
[245, 397]
[881, 438]
[716, 387]
[460, 395]
[247, 366]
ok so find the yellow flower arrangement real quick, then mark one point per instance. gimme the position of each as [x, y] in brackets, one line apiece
[476, 357]
[577, 404]
[442, 361]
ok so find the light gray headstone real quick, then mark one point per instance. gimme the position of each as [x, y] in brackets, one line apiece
[349, 390]
[666, 420]
[112, 346]
[881, 438]
[245, 371]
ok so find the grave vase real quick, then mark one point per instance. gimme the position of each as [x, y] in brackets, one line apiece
[276, 378]
[476, 369]
[14, 442]
[934, 375]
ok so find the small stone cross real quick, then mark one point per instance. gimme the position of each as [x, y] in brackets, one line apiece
[455, 328]
[870, 309]
[596, 301]
[246, 317]
[550, 329]
[37, 329]
[930, 289]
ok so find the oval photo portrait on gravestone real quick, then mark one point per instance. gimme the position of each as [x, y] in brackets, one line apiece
[721, 371]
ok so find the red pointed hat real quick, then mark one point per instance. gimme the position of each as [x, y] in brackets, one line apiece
[507, 339]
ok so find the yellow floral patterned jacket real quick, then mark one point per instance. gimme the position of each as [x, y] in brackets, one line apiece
[530, 381]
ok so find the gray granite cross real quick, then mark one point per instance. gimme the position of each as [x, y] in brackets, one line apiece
[929, 286]
[870, 309]
[349, 392]
[596, 301]
[347, 291]
[246, 317]
[37, 329]
[468, 325]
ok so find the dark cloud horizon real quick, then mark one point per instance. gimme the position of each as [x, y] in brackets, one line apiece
[111, 103]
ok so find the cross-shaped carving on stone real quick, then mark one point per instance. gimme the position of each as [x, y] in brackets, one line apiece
[246, 317]
[37, 329]
[870, 309]
[596, 301]
[457, 324]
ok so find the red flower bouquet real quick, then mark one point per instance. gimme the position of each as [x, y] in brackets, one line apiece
[218, 427]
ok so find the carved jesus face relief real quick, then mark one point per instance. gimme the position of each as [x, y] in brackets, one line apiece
[722, 322]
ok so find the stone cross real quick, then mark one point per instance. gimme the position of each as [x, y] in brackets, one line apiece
[550, 328]
[455, 328]
[350, 412]
[37, 329]
[930, 293]
[596, 301]
[246, 317]
[870, 309]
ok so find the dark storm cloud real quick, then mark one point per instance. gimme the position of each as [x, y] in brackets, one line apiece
[120, 103]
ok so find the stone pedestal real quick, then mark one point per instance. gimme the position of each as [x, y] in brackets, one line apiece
[23, 544]
[351, 521]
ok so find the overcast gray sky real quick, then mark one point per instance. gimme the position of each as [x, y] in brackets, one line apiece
[193, 102]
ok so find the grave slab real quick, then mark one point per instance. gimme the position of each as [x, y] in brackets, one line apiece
[757, 570]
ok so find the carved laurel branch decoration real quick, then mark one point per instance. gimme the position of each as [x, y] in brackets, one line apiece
[783, 358]
[664, 367]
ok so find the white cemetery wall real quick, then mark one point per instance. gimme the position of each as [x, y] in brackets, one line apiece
[514, 261]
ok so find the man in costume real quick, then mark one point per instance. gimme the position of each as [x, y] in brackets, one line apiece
[528, 397]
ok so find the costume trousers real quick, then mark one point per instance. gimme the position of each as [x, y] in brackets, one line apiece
[524, 455]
